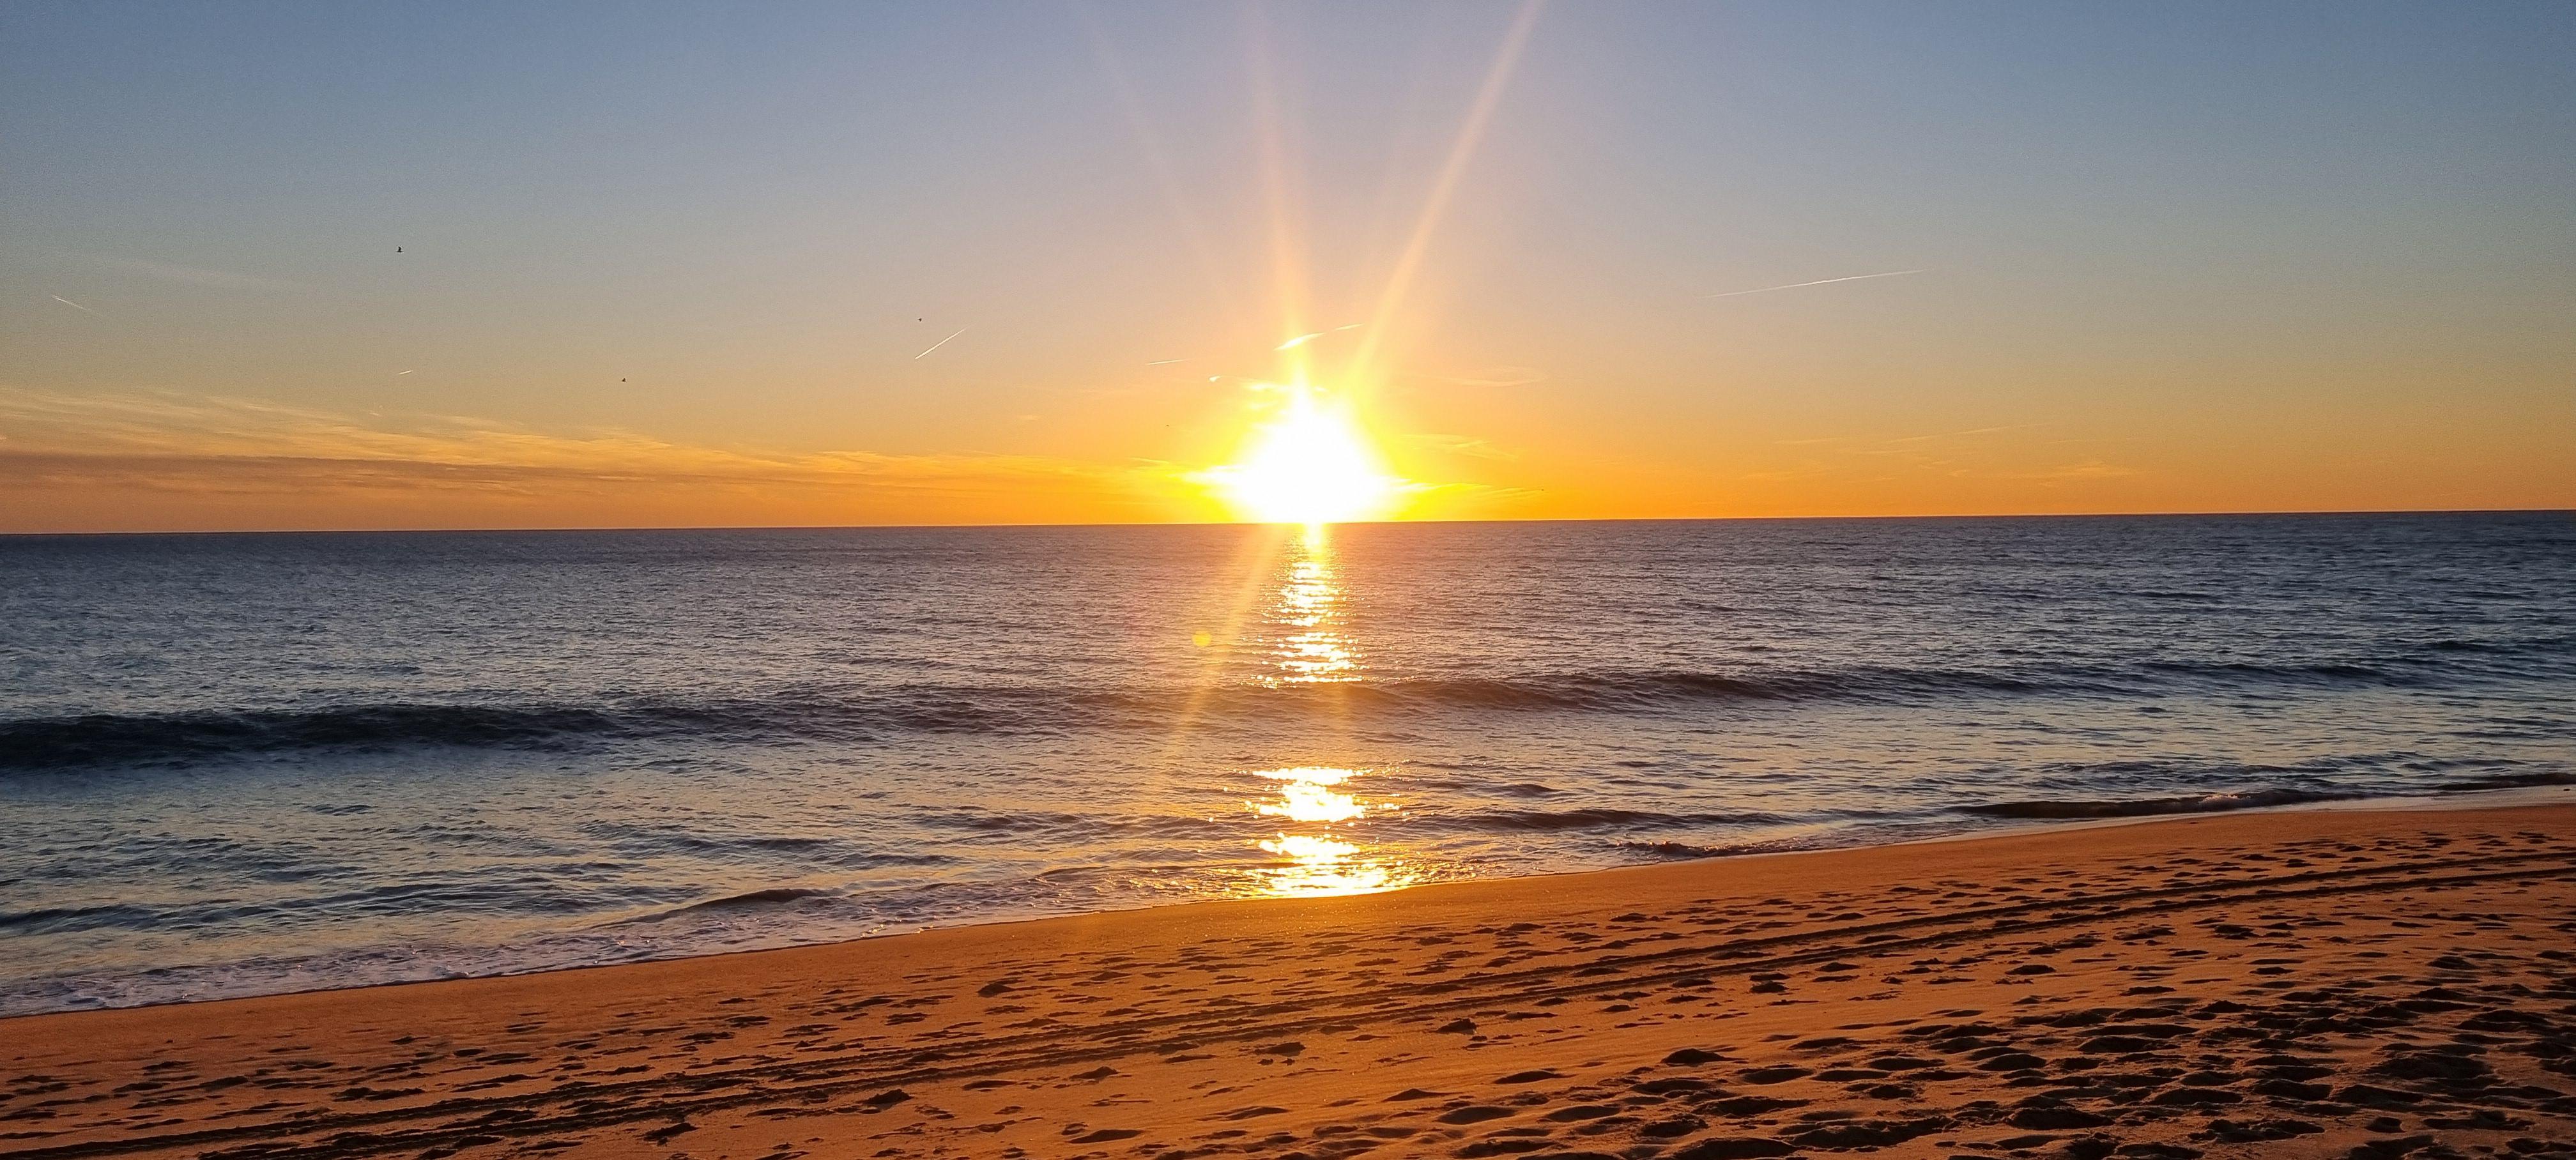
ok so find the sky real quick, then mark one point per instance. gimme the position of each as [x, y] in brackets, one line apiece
[686, 265]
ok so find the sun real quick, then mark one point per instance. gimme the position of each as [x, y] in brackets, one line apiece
[1310, 464]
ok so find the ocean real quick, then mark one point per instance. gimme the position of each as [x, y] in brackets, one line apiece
[243, 764]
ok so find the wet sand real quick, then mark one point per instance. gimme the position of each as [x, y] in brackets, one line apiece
[2279, 984]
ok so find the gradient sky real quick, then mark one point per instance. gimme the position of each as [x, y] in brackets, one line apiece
[671, 265]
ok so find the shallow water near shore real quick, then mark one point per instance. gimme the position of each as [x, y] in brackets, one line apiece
[246, 764]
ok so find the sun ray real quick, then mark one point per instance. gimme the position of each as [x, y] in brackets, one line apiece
[1158, 159]
[1488, 96]
[1287, 257]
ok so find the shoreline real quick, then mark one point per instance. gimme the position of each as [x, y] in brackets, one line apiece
[1799, 992]
[1992, 827]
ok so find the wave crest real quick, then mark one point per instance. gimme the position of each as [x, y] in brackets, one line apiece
[870, 714]
[2206, 803]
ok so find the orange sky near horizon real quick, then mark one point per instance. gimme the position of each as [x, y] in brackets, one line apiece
[814, 266]
[234, 466]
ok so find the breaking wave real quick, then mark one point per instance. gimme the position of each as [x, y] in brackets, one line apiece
[858, 716]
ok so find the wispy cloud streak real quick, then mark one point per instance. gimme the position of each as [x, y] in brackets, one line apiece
[1817, 282]
[1303, 339]
[211, 445]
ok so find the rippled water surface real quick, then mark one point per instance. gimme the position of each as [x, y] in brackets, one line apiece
[236, 764]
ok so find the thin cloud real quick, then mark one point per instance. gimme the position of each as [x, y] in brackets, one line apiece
[1817, 282]
[2088, 469]
[1967, 433]
[1466, 445]
[206, 444]
[1867, 446]
[1303, 339]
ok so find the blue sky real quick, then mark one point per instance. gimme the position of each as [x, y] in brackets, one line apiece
[2177, 237]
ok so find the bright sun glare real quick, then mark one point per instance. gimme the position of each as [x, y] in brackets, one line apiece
[1308, 465]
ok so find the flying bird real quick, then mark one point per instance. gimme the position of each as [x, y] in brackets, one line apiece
[938, 344]
[1817, 282]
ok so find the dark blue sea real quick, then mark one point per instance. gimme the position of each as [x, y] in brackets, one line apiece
[234, 764]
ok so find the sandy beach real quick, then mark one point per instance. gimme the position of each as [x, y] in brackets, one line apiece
[2368, 983]
[1655, 580]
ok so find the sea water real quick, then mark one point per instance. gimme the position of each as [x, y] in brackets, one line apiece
[236, 764]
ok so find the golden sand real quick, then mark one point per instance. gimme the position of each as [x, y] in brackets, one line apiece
[2285, 984]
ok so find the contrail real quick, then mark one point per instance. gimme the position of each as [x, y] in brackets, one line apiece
[1817, 282]
[1303, 339]
[401, 373]
[1164, 362]
[938, 344]
[74, 305]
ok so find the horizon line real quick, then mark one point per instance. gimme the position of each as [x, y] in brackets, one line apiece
[2107, 515]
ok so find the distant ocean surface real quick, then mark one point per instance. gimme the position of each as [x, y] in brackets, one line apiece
[255, 763]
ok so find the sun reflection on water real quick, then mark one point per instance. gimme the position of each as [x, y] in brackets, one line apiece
[1306, 795]
[1314, 648]
[1299, 638]
[1322, 861]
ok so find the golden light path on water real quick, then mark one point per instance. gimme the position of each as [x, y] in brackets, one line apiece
[1315, 650]
[1311, 462]
[1317, 858]
[1321, 852]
